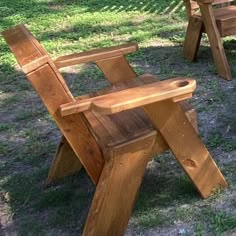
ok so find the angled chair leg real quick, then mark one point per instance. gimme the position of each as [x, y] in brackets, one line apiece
[117, 187]
[216, 44]
[64, 163]
[193, 38]
[116, 69]
[187, 147]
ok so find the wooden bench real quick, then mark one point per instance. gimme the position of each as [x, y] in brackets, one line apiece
[114, 133]
[217, 18]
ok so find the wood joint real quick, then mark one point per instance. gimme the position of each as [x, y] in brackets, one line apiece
[35, 64]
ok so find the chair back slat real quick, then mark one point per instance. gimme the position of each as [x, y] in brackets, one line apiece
[53, 91]
[23, 45]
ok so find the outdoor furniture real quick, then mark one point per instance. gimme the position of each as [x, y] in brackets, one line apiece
[114, 133]
[217, 21]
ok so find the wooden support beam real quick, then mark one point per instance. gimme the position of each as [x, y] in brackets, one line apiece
[117, 187]
[64, 163]
[186, 145]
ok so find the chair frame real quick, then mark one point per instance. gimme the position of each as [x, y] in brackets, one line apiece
[117, 170]
[216, 24]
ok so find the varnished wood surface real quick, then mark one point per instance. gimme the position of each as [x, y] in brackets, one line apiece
[186, 145]
[132, 97]
[213, 2]
[115, 129]
[53, 91]
[94, 55]
[65, 162]
[216, 22]
[114, 149]
[118, 186]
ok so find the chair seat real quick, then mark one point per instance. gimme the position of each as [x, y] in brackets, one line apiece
[226, 20]
[118, 128]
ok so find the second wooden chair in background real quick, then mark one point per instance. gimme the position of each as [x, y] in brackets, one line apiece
[217, 22]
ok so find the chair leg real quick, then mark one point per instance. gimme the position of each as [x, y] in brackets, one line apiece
[216, 44]
[187, 147]
[64, 163]
[193, 38]
[117, 188]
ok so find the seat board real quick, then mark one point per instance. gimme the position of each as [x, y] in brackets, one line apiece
[118, 128]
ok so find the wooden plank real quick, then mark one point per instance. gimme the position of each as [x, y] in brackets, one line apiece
[117, 187]
[217, 48]
[53, 91]
[64, 163]
[190, 6]
[116, 69]
[185, 144]
[226, 20]
[193, 38]
[131, 98]
[118, 128]
[24, 46]
[94, 55]
[213, 2]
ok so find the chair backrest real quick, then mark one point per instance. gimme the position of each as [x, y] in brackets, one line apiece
[192, 6]
[52, 89]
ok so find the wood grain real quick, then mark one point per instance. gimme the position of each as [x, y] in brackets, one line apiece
[115, 148]
[117, 187]
[217, 23]
[94, 55]
[133, 97]
[186, 145]
[64, 163]
[53, 91]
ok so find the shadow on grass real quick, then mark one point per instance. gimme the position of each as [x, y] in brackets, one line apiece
[29, 138]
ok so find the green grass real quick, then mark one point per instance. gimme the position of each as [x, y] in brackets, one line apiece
[29, 136]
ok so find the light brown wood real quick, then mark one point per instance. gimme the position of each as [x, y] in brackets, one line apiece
[193, 38]
[116, 69]
[215, 41]
[194, 4]
[53, 91]
[187, 147]
[64, 163]
[94, 55]
[217, 23]
[115, 148]
[118, 186]
[115, 129]
[132, 98]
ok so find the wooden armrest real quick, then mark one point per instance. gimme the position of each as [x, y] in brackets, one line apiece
[176, 89]
[96, 54]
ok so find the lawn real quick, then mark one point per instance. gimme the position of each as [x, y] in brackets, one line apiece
[167, 204]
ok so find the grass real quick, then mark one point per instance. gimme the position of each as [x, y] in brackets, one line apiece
[28, 136]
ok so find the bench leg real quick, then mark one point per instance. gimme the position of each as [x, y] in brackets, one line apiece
[193, 38]
[187, 147]
[117, 188]
[64, 163]
[216, 44]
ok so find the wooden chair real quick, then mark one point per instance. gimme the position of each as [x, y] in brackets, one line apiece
[115, 132]
[217, 18]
